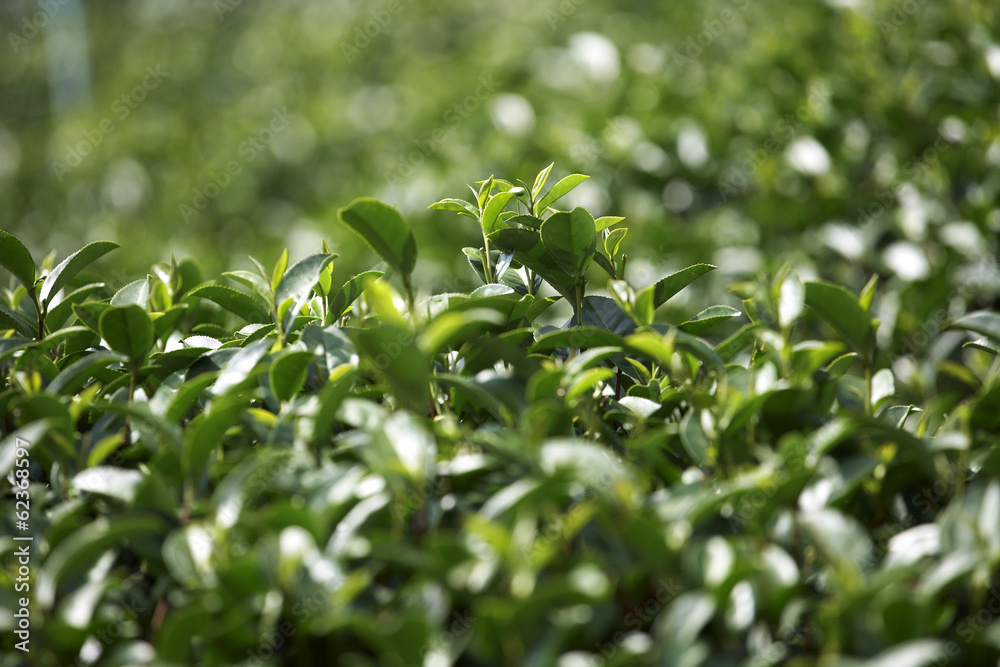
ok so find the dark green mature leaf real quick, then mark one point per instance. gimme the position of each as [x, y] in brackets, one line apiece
[72, 265]
[674, 283]
[206, 431]
[79, 551]
[246, 306]
[529, 250]
[571, 240]
[186, 396]
[455, 328]
[985, 413]
[16, 321]
[89, 314]
[736, 343]
[74, 376]
[604, 313]
[337, 388]
[839, 366]
[330, 345]
[297, 284]
[708, 319]
[841, 310]
[13, 344]
[577, 337]
[385, 231]
[981, 322]
[524, 241]
[288, 373]
[128, 330]
[985, 345]
[602, 261]
[390, 350]
[529, 221]
[698, 348]
[240, 366]
[58, 314]
[349, 293]
[15, 258]
[695, 441]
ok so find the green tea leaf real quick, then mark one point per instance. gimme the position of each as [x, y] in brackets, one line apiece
[239, 303]
[288, 372]
[708, 319]
[73, 377]
[135, 293]
[16, 321]
[72, 265]
[77, 552]
[674, 283]
[385, 231]
[15, 258]
[571, 240]
[59, 313]
[128, 330]
[982, 322]
[279, 269]
[492, 210]
[559, 190]
[540, 180]
[459, 206]
[841, 310]
[297, 283]
[349, 293]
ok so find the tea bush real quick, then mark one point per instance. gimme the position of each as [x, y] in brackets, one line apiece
[288, 465]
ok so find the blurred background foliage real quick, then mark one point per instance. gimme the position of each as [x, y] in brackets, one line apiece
[848, 137]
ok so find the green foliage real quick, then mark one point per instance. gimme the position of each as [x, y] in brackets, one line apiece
[483, 477]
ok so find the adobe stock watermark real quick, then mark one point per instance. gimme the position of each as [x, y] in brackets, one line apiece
[918, 340]
[901, 13]
[637, 618]
[713, 29]
[223, 7]
[456, 114]
[586, 154]
[98, 641]
[417, 497]
[791, 635]
[926, 501]
[442, 643]
[563, 11]
[248, 150]
[363, 36]
[272, 642]
[967, 630]
[737, 177]
[913, 167]
[121, 108]
[31, 26]
[21, 621]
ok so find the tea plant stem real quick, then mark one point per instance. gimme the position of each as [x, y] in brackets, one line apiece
[409, 293]
[487, 263]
